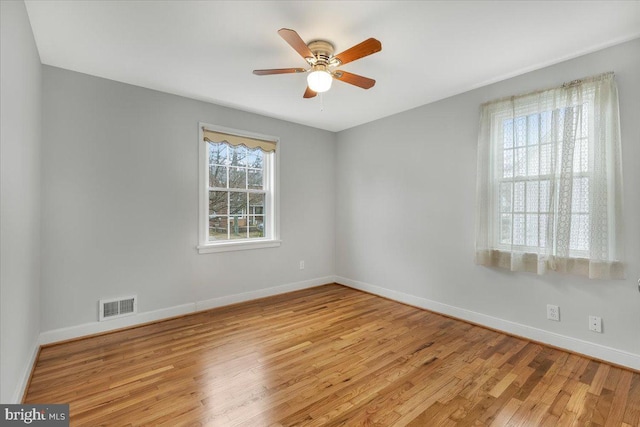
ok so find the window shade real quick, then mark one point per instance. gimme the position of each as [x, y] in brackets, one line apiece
[236, 140]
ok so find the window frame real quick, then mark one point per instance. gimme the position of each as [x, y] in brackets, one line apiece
[272, 200]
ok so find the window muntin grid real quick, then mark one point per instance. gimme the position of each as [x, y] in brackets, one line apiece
[529, 147]
[238, 192]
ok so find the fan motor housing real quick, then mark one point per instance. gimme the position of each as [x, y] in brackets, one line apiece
[322, 50]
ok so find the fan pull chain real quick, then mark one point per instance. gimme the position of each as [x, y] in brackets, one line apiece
[321, 101]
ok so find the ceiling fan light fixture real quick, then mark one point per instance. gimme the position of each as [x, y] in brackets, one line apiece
[319, 55]
[319, 80]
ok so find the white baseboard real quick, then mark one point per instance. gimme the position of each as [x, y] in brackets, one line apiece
[62, 334]
[598, 351]
[261, 293]
[26, 373]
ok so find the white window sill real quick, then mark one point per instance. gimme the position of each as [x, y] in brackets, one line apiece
[237, 246]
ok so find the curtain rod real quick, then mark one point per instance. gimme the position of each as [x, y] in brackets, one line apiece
[572, 83]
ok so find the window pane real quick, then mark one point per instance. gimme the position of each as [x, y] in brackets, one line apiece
[581, 156]
[533, 168]
[256, 226]
[580, 196]
[558, 122]
[545, 159]
[217, 153]
[217, 203]
[256, 204]
[218, 228]
[543, 227]
[505, 228]
[238, 156]
[507, 164]
[507, 132]
[532, 230]
[546, 132]
[532, 129]
[518, 229]
[218, 176]
[583, 129]
[545, 195]
[573, 114]
[506, 193]
[518, 197]
[238, 227]
[520, 162]
[255, 179]
[237, 178]
[520, 124]
[532, 196]
[237, 204]
[255, 158]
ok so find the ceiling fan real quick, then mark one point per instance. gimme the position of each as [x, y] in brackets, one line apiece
[319, 55]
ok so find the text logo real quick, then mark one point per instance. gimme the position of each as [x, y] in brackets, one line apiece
[34, 415]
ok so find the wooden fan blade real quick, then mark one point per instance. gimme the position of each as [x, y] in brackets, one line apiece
[309, 93]
[295, 42]
[354, 79]
[366, 48]
[278, 71]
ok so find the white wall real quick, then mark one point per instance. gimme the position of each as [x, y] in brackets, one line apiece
[405, 217]
[120, 195]
[20, 128]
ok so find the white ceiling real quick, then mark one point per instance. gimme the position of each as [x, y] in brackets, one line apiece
[430, 50]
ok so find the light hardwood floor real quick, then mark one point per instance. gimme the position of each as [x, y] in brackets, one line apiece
[328, 356]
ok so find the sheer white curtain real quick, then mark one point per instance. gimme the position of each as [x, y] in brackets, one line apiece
[549, 187]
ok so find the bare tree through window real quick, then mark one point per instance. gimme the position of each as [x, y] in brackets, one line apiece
[236, 192]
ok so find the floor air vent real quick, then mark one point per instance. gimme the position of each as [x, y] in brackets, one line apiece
[118, 307]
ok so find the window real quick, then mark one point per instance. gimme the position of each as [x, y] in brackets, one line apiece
[238, 204]
[524, 176]
[549, 181]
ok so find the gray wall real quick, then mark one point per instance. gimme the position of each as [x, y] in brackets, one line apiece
[20, 145]
[113, 185]
[120, 195]
[406, 202]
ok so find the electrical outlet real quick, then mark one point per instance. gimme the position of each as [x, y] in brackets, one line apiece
[553, 312]
[301, 265]
[595, 324]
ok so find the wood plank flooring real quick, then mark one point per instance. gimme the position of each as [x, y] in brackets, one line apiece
[328, 356]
